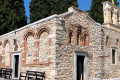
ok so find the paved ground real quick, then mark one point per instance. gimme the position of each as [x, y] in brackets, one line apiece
[7, 79]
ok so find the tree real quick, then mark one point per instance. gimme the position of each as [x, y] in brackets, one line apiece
[3, 23]
[116, 2]
[43, 8]
[96, 10]
[12, 15]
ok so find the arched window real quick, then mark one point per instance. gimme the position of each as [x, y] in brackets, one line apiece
[71, 37]
[86, 39]
[44, 47]
[30, 49]
[79, 30]
[78, 38]
[107, 41]
[112, 16]
[7, 53]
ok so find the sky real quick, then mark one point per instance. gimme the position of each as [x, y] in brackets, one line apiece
[83, 5]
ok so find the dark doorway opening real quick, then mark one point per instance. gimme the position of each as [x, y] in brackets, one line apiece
[80, 67]
[16, 65]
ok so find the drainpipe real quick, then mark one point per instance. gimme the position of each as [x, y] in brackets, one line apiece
[102, 53]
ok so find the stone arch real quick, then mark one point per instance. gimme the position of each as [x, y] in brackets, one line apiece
[28, 32]
[85, 38]
[77, 31]
[72, 27]
[6, 53]
[86, 32]
[41, 30]
[29, 39]
[5, 42]
[71, 33]
[44, 46]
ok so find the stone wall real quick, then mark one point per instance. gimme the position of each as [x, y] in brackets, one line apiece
[99, 63]
[51, 46]
[36, 44]
[65, 52]
[111, 70]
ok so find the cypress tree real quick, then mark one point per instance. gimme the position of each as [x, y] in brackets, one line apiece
[12, 15]
[96, 10]
[43, 8]
[116, 2]
[3, 17]
[38, 9]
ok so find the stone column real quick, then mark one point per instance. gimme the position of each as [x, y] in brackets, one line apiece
[115, 17]
[107, 13]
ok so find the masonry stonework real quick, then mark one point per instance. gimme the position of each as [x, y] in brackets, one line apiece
[53, 44]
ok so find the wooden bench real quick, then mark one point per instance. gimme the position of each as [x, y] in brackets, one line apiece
[32, 75]
[6, 73]
[35, 75]
[0, 72]
[23, 75]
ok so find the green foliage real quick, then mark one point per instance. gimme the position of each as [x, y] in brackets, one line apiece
[43, 8]
[116, 2]
[12, 15]
[96, 10]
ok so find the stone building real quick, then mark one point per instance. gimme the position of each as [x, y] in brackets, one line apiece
[69, 46]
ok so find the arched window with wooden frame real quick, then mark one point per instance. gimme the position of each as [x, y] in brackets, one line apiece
[79, 31]
[71, 36]
[85, 39]
[107, 43]
[78, 38]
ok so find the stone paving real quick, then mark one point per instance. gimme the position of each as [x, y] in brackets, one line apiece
[8, 79]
